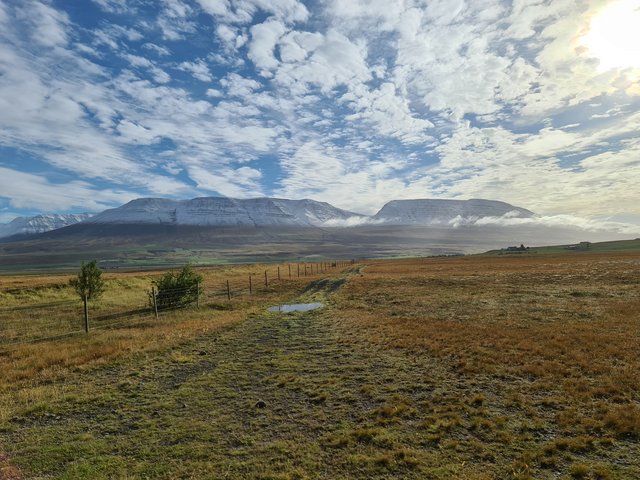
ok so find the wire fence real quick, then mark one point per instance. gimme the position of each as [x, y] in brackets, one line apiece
[29, 322]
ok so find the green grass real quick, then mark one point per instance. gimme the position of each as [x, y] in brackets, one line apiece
[191, 413]
[595, 247]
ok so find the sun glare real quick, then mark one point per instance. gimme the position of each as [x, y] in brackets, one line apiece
[614, 35]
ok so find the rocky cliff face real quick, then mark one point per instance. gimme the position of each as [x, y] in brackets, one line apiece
[40, 224]
[220, 211]
[431, 211]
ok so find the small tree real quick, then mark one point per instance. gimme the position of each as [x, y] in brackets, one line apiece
[177, 289]
[88, 284]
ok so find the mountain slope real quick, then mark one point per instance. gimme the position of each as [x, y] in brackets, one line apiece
[221, 211]
[40, 224]
[435, 211]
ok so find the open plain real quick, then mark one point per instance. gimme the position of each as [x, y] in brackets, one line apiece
[476, 367]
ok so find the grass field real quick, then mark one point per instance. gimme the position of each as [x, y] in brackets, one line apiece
[522, 366]
[629, 246]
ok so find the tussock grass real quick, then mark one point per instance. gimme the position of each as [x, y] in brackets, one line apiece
[547, 345]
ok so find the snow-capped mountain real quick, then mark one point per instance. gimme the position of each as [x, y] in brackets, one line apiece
[268, 212]
[221, 211]
[40, 223]
[434, 211]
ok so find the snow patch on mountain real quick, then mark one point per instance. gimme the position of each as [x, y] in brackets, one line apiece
[222, 211]
[446, 212]
[40, 223]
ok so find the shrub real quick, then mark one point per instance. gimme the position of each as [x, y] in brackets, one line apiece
[178, 289]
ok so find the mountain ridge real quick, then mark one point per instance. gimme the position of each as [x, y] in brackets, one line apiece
[42, 223]
[442, 211]
[224, 211]
[267, 212]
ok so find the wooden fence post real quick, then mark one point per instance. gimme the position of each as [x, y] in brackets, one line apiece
[266, 282]
[289, 271]
[298, 265]
[86, 314]
[228, 291]
[155, 301]
[278, 272]
[198, 294]
[250, 286]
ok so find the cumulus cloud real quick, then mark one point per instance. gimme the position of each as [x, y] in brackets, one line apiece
[264, 37]
[238, 86]
[332, 62]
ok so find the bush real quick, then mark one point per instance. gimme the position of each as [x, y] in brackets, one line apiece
[179, 289]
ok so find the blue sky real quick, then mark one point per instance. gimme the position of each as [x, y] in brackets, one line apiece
[356, 102]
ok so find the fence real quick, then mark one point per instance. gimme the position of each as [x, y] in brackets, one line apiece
[33, 322]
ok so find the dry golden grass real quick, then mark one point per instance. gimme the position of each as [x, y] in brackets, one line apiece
[558, 335]
[125, 291]
[477, 367]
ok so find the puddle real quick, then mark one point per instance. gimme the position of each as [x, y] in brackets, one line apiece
[295, 307]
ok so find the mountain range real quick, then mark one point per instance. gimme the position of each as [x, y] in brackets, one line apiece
[222, 211]
[156, 232]
[267, 212]
[40, 223]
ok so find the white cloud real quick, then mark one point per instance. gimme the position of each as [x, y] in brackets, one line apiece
[134, 133]
[227, 34]
[4, 16]
[162, 51]
[48, 25]
[368, 101]
[236, 183]
[215, 7]
[564, 221]
[214, 93]
[31, 191]
[389, 113]
[175, 20]
[138, 61]
[349, 222]
[199, 69]
[264, 37]
[239, 86]
[116, 6]
[347, 180]
[333, 62]
[243, 11]
[296, 46]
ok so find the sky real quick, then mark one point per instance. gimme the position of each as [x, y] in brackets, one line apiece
[358, 102]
